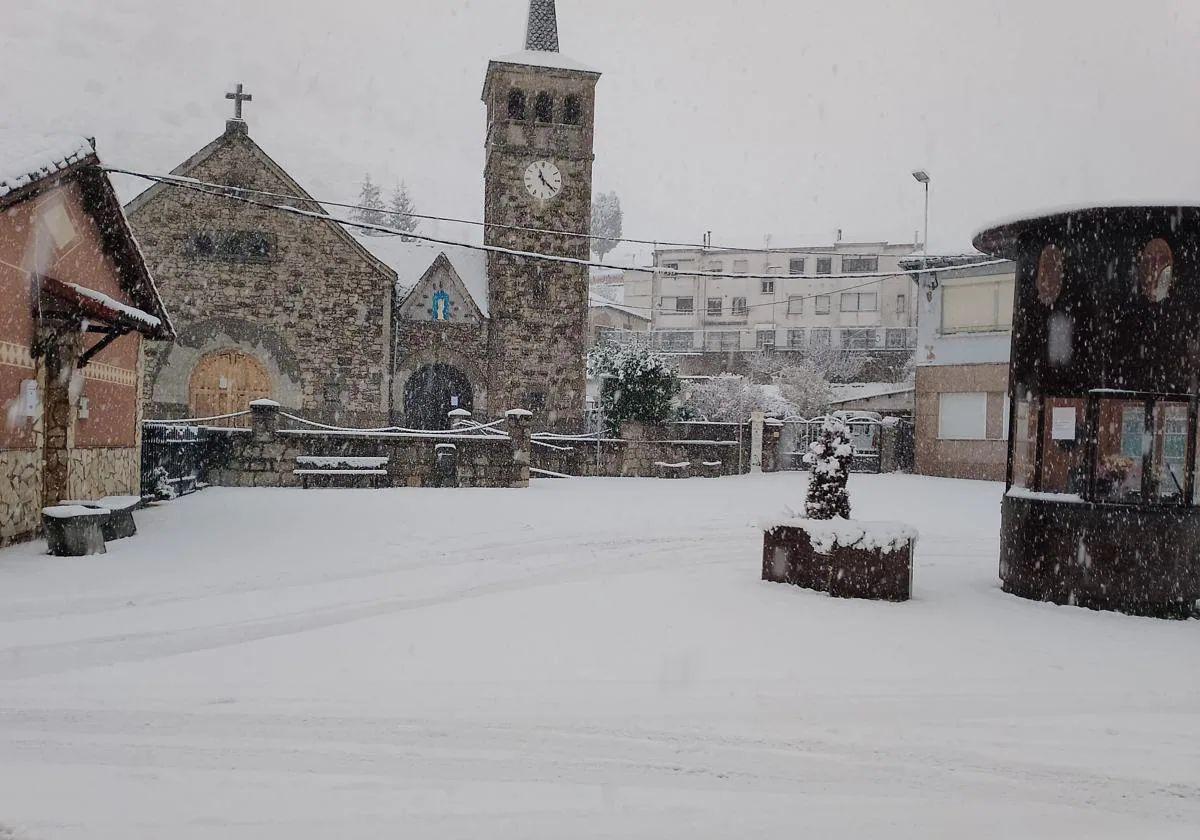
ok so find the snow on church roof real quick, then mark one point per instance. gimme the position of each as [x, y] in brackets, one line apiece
[28, 157]
[410, 261]
[541, 58]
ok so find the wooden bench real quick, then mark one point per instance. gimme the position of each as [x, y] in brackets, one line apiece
[333, 467]
[74, 530]
[119, 523]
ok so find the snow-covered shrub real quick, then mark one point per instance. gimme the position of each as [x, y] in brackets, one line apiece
[636, 383]
[804, 388]
[828, 459]
[730, 398]
[159, 487]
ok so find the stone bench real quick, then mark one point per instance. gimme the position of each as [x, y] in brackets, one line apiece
[664, 470]
[334, 467]
[710, 469]
[75, 530]
[119, 523]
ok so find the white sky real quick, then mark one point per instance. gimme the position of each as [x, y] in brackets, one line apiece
[784, 117]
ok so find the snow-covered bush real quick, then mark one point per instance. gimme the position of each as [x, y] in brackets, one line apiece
[636, 383]
[730, 398]
[805, 389]
[828, 459]
[158, 486]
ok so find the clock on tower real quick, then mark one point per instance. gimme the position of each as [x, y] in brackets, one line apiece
[538, 174]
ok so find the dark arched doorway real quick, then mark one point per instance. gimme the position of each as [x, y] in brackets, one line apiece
[432, 392]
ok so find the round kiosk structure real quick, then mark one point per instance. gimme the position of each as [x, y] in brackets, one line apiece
[1101, 502]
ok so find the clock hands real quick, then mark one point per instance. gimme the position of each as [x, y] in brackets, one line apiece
[542, 178]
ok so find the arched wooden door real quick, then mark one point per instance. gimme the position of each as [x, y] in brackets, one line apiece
[227, 382]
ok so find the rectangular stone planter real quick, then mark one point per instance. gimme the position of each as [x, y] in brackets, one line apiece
[74, 530]
[846, 558]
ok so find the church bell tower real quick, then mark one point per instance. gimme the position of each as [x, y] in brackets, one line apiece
[538, 177]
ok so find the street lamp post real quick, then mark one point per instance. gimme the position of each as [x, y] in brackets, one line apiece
[923, 178]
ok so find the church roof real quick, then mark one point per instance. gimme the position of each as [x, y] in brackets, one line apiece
[541, 32]
[411, 260]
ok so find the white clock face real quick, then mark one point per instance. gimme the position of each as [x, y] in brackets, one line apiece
[543, 179]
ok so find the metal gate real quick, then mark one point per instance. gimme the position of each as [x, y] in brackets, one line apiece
[864, 436]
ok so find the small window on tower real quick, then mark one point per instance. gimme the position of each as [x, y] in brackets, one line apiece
[516, 105]
[572, 111]
[543, 108]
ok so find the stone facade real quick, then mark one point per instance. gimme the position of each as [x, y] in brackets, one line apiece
[298, 295]
[20, 494]
[113, 471]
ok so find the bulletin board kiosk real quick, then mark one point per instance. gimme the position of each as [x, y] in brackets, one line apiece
[1100, 508]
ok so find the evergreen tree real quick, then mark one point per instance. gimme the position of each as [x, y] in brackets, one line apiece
[401, 207]
[606, 223]
[636, 383]
[371, 209]
[828, 459]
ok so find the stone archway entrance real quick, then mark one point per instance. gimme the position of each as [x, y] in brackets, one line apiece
[432, 392]
[226, 382]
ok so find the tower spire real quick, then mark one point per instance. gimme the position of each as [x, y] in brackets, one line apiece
[541, 33]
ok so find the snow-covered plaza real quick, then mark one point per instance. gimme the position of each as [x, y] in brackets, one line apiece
[586, 658]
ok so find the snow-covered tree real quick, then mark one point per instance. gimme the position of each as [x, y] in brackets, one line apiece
[636, 383]
[828, 460]
[371, 209]
[400, 209]
[804, 388]
[606, 223]
[836, 364]
[730, 398]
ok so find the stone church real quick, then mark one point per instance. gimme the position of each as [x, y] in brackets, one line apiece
[365, 330]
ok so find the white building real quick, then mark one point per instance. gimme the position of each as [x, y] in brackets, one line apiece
[963, 341]
[786, 311]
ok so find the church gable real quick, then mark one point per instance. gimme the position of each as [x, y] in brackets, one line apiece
[440, 297]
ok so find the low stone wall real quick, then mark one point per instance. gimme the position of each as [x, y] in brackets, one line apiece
[641, 447]
[20, 494]
[111, 471]
[265, 455]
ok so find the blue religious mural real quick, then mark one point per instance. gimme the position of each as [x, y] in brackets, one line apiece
[440, 310]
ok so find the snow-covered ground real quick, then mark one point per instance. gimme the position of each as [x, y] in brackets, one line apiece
[588, 658]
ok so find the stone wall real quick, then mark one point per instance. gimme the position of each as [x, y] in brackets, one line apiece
[20, 494]
[109, 471]
[265, 455]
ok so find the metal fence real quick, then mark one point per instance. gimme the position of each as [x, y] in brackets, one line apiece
[865, 430]
[173, 458]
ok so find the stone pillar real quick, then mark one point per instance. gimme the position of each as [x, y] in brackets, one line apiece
[61, 350]
[888, 432]
[772, 435]
[519, 421]
[264, 420]
[459, 417]
[445, 471]
[756, 442]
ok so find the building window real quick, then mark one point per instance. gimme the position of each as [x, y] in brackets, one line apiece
[860, 302]
[716, 306]
[901, 305]
[764, 340]
[796, 265]
[543, 108]
[678, 341]
[516, 105]
[741, 266]
[821, 304]
[683, 305]
[824, 265]
[857, 265]
[234, 245]
[767, 287]
[1154, 270]
[572, 110]
[859, 339]
[1050, 274]
[739, 306]
[724, 340]
[962, 416]
[977, 307]
[795, 339]
[795, 305]
[896, 339]
[673, 266]
[716, 265]
[819, 337]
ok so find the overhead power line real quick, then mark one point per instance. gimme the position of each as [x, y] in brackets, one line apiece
[231, 194]
[812, 252]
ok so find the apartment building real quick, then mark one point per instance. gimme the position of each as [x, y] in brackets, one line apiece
[963, 340]
[792, 309]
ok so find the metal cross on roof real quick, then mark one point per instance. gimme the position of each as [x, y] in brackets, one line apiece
[238, 98]
[541, 33]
